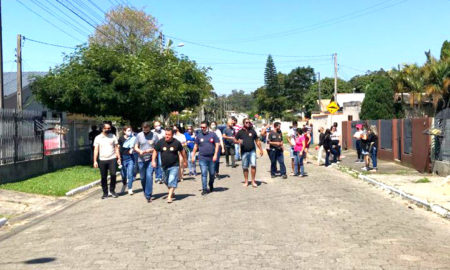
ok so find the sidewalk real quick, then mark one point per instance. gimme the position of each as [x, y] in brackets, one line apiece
[431, 188]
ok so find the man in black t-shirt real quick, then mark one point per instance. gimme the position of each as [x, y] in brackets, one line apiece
[275, 140]
[171, 152]
[247, 138]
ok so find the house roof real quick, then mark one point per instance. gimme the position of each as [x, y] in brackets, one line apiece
[10, 80]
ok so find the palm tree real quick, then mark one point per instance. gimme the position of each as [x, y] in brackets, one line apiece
[414, 82]
[437, 79]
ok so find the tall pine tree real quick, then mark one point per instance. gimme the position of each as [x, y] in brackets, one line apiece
[271, 78]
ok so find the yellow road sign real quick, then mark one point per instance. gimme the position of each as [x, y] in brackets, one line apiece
[332, 107]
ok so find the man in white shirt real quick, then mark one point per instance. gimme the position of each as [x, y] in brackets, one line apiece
[106, 150]
[160, 133]
[291, 136]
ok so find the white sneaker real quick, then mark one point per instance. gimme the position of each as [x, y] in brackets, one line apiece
[130, 192]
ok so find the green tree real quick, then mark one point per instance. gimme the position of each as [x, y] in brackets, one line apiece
[379, 100]
[99, 80]
[326, 92]
[361, 82]
[271, 77]
[445, 51]
[127, 29]
[296, 86]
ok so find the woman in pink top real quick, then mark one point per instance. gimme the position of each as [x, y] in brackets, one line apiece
[299, 151]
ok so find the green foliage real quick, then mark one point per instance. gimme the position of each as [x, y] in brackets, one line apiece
[238, 100]
[361, 82]
[423, 180]
[326, 92]
[379, 100]
[296, 86]
[99, 80]
[56, 183]
[445, 50]
[270, 77]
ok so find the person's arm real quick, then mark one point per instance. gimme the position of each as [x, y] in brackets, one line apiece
[216, 150]
[136, 148]
[184, 156]
[193, 153]
[258, 144]
[95, 156]
[119, 161]
[154, 155]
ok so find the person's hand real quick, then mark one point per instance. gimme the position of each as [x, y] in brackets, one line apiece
[119, 162]
[154, 164]
[261, 153]
[95, 164]
[214, 158]
[131, 151]
[193, 158]
[223, 150]
[185, 164]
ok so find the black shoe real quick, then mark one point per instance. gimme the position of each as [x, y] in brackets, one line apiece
[204, 192]
[114, 194]
[284, 176]
[104, 196]
[233, 166]
[211, 187]
[149, 200]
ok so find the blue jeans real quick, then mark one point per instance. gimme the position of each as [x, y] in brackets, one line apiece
[217, 163]
[127, 171]
[207, 166]
[146, 172]
[158, 169]
[298, 163]
[170, 176]
[237, 151]
[327, 156]
[276, 156]
[192, 166]
[373, 156]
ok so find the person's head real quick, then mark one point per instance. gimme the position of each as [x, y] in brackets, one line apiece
[294, 124]
[277, 126]
[146, 127]
[168, 134]
[157, 125]
[333, 129]
[213, 125]
[230, 123]
[204, 127]
[190, 129]
[327, 132]
[175, 129]
[94, 128]
[321, 129]
[247, 123]
[106, 128]
[234, 120]
[335, 124]
[373, 130]
[358, 127]
[299, 131]
[127, 131]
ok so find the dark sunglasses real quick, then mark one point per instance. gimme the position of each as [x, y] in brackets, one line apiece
[203, 127]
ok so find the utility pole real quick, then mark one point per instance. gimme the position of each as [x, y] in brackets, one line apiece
[335, 77]
[2, 105]
[320, 98]
[19, 72]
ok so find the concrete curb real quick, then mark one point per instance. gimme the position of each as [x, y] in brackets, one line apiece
[3, 221]
[435, 208]
[85, 187]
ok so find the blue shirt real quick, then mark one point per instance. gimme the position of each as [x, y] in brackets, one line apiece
[190, 140]
[206, 145]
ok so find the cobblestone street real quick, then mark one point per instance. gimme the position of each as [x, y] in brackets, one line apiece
[328, 220]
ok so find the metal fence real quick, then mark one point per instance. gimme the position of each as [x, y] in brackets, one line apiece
[386, 129]
[407, 133]
[26, 135]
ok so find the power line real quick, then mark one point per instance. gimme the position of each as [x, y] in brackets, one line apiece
[244, 52]
[49, 22]
[352, 15]
[49, 44]
[52, 13]
[83, 19]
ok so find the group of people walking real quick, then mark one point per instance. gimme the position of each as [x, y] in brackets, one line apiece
[166, 153]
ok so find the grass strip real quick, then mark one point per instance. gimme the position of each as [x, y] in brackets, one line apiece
[56, 183]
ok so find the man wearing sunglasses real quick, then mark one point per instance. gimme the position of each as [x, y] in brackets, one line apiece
[247, 139]
[207, 143]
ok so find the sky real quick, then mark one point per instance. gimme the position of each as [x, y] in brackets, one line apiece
[235, 37]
